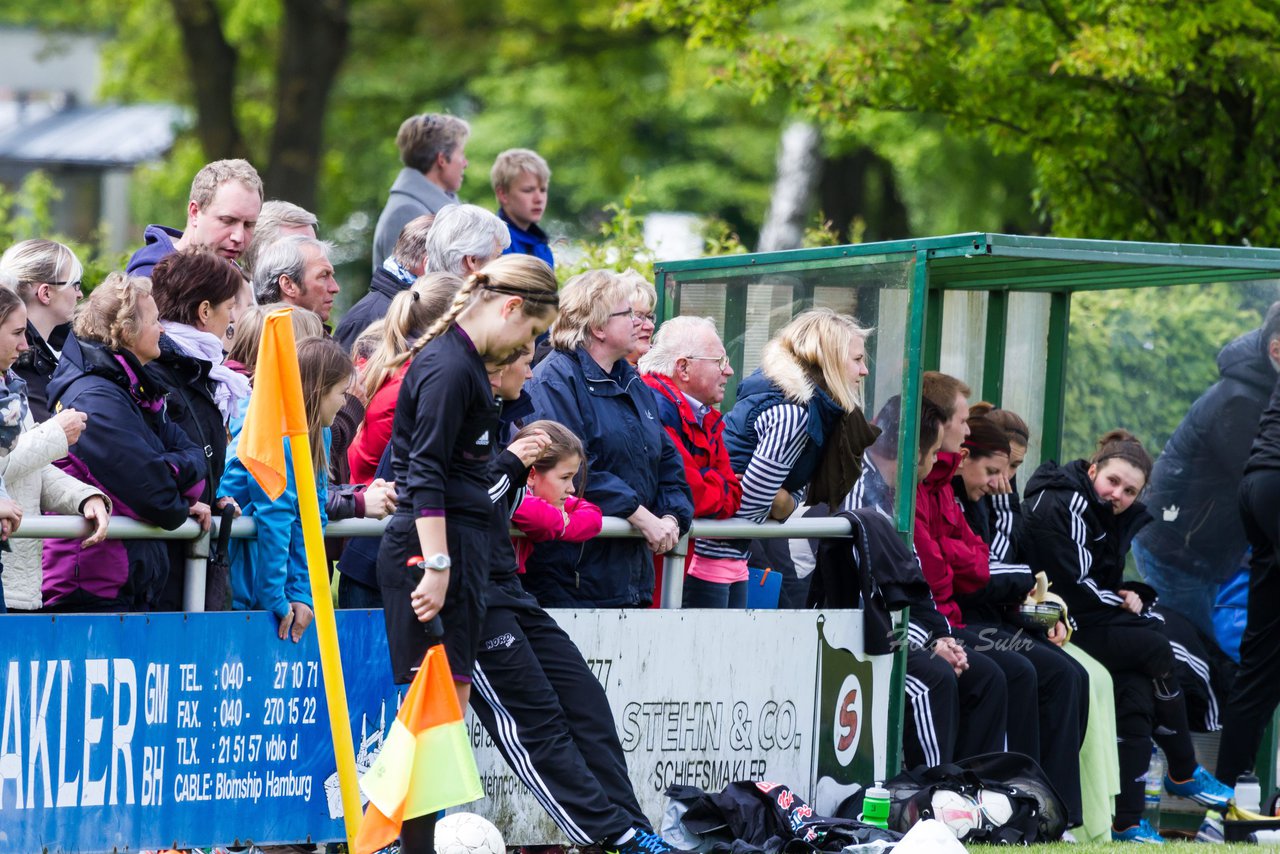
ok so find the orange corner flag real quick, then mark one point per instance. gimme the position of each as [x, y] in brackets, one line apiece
[276, 409]
[426, 763]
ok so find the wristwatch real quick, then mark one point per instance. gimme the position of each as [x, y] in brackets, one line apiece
[436, 563]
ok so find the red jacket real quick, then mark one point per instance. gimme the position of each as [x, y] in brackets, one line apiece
[540, 521]
[953, 557]
[717, 493]
[375, 431]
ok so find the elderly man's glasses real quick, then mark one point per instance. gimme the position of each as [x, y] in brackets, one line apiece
[722, 362]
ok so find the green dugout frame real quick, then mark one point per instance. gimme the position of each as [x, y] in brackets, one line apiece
[1015, 290]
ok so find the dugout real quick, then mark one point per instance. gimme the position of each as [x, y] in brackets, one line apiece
[1008, 314]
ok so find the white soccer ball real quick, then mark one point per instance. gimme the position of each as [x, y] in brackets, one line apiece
[958, 812]
[468, 833]
[996, 807]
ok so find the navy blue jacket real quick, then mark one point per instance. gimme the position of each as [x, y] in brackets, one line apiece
[188, 392]
[372, 306]
[756, 394]
[527, 241]
[136, 455]
[631, 462]
[1200, 468]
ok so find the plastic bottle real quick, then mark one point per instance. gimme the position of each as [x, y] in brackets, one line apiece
[875, 807]
[1155, 784]
[1249, 793]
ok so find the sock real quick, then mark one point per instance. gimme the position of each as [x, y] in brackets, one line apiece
[1134, 756]
[1172, 731]
[418, 835]
[626, 837]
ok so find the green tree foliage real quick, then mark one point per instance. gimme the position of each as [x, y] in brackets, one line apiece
[1138, 359]
[604, 104]
[26, 213]
[1144, 121]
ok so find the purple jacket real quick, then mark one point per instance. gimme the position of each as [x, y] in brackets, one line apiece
[135, 454]
[158, 242]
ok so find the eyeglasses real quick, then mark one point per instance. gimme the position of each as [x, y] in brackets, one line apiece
[722, 362]
[631, 313]
[76, 284]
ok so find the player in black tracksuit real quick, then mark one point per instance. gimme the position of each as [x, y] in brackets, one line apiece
[1257, 686]
[436, 553]
[952, 711]
[545, 710]
[1080, 519]
[991, 612]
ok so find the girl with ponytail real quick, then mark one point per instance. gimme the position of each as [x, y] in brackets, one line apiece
[1080, 519]
[434, 556]
[411, 313]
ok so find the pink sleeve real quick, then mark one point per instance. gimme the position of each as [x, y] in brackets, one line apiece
[584, 520]
[538, 520]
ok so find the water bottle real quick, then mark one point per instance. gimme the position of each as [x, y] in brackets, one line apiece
[875, 807]
[1249, 793]
[1154, 785]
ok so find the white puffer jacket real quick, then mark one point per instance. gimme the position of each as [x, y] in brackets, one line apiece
[39, 487]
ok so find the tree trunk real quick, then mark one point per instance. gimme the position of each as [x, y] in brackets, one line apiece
[211, 64]
[313, 44]
[799, 163]
[860, 185]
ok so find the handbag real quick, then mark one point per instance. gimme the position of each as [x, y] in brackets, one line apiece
[217, 576]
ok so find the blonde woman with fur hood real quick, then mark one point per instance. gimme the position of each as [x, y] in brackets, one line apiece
[797, 417]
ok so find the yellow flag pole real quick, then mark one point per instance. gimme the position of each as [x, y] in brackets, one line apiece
[327, 633]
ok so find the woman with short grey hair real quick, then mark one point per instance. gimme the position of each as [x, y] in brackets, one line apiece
[634, 470]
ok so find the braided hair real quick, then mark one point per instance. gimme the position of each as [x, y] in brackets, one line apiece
[521, 276]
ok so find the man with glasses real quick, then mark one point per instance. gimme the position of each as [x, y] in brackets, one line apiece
[687, 369]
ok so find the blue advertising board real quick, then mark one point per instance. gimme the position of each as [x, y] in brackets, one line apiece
[178, 730]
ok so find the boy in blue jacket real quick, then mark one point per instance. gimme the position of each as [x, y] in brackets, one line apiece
[519, 178]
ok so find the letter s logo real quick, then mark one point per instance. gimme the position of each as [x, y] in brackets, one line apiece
[848, 720]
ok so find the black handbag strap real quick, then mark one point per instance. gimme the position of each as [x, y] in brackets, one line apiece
[222, 546]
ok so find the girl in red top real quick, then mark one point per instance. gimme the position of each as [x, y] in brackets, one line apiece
[550, 509]
[410, 315]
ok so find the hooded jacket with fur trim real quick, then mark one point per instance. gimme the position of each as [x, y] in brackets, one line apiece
[775, 435]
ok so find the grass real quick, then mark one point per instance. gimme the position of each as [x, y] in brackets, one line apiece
[1115, 848]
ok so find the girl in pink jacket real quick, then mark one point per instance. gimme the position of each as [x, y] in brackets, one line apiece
[550, 509]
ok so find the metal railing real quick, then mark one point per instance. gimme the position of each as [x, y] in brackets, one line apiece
[41, 527]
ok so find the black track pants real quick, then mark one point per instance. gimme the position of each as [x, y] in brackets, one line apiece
[1257, 686]
[1062, 694]
[549, 716]
[950, 717]
[1137, 653]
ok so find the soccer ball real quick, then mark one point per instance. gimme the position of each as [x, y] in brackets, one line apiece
[958, 812]
[468, 833]
[996, 807]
